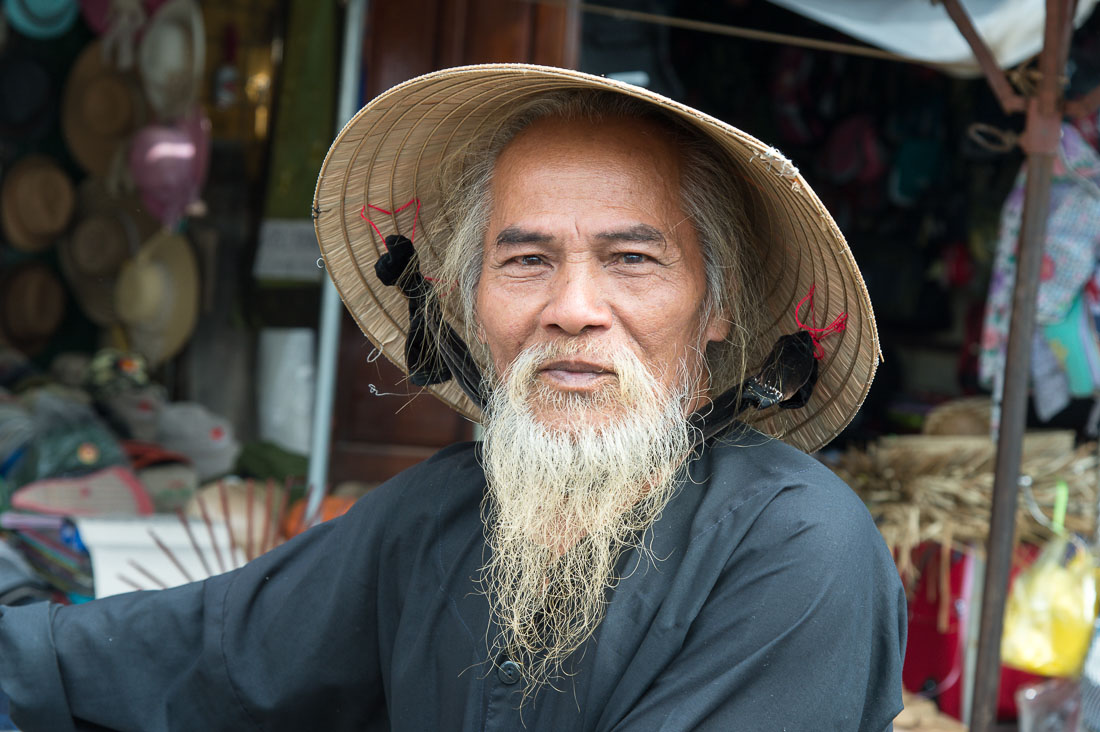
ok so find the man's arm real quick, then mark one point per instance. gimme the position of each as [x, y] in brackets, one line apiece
[122, 663]
[278, 644]
[805, 629]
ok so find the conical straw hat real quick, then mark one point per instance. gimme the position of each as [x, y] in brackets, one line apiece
[392, 150]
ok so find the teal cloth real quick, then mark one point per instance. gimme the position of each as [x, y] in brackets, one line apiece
[1074, 342]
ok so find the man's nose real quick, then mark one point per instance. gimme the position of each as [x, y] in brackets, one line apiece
[578, 301]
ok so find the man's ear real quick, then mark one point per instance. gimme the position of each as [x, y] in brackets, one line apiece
[718, 327]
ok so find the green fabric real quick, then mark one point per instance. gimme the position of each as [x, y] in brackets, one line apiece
[263, 460]
[306, 102]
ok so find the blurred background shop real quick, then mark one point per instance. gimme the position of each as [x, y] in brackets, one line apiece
[171, 357]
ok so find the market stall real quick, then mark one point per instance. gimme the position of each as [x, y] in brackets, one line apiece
[156, 264]
[135, 143]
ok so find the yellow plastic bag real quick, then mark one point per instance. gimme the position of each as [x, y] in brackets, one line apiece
[1050, 611]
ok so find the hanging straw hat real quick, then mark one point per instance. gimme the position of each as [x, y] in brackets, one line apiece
[391, 152]
[41, 19]
[100, 108]
[27, 98]
[108, 231]
[157, 297]
[36, 203]
[32, 306]
[171, 58]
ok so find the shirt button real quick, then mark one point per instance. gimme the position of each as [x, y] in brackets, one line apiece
[508, 672]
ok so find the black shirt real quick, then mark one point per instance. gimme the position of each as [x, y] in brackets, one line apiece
[773, 605]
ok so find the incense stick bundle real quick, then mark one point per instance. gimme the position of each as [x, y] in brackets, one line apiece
[171, 556]
[126, 580]
[194, 544]
[269, 485]
[228, 523]
[250, 486]
[210, 530]
[148, 575]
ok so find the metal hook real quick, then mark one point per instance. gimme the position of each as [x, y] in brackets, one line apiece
[1025, 482]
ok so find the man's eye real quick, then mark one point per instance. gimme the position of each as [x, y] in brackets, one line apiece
[529, 260]
[633, 258]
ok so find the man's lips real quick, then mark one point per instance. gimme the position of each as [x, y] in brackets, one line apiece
[575, 374]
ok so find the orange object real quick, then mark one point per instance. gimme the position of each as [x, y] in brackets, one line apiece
[331, 507]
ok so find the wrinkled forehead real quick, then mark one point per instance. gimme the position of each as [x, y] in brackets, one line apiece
[643, 139]
[607, 169]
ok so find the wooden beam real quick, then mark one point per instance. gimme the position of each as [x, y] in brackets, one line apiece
[1009, 100]
[557, 35]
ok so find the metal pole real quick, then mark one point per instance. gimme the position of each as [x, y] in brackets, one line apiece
[328, 341]
[1040, 139]
[1002, 523]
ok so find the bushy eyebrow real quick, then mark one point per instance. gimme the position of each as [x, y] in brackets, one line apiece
[518, 235]
[636, 233]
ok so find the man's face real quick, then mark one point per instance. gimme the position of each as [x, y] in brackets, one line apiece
[588, 245]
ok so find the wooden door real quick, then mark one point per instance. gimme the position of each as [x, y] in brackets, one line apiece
[381, 425]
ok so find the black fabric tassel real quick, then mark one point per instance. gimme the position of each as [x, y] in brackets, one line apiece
[391, 265]
[398, 266]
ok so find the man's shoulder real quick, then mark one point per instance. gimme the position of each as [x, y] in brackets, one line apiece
[787, 492]
[763, 457]
[800, 518]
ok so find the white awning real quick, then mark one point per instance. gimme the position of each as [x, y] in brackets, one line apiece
[1013, 29]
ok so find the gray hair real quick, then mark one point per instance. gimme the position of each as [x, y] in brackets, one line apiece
[709, 195]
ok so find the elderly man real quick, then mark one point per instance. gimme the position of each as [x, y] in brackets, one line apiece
[599, 275]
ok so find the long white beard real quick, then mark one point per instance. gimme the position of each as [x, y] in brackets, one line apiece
[565, 501]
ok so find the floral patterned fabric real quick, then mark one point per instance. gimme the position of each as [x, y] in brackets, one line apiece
[1070, 249]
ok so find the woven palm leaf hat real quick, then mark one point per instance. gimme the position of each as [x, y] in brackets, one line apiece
[392, 151]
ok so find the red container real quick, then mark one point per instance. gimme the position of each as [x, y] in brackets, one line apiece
[935, 651]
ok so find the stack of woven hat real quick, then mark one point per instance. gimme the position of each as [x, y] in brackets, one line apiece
[98, 228]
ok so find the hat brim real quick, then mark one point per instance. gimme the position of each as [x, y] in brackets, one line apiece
[40, 119]
[392, 151]
[41, 28]
[11, 220]
[162, 341]
[96, 295]
[168, 101]
[96, 152]
[30, 345]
